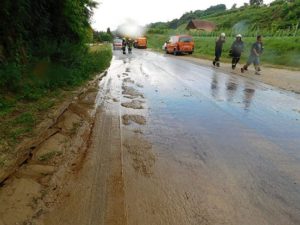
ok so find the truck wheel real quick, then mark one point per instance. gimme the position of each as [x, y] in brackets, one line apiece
[175, 52]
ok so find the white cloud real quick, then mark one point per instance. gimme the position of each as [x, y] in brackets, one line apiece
[112, 13]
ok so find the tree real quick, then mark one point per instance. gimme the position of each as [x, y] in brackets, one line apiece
[256, 2]
[233, 6]
[102, 36]
[42, 27]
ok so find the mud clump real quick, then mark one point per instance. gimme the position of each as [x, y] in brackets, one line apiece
[53, 147]
[36, 171]
[89, 97]
[67, 121]
[130, 91]
[134, 118]
[143, 159]
[134, 104]
[19, 201]
[140, 85]
[129, 96]
[138, 131]
[80, 110]
[128, 80]
[296, 110]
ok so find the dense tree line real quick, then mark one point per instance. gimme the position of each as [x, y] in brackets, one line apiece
[43, 28]
[43, 44]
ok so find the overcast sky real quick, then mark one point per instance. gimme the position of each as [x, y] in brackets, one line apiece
[111, 13]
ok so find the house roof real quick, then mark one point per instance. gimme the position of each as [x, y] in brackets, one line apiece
[201, 25]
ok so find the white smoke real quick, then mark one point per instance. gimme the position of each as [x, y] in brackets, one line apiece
[241, 27]
[130, 28]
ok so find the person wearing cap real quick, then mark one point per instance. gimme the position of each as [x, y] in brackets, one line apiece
[256, 51]
[218, 49]
[236, 50]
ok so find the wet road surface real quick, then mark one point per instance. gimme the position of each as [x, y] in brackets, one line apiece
[224, 149]
[177, 143]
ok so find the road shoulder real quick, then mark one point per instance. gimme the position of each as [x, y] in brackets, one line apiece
[282, 78]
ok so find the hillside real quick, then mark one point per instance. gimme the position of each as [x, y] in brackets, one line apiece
[280, 18]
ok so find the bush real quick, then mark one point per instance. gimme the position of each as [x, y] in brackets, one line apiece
[10, 77]
[102, 37]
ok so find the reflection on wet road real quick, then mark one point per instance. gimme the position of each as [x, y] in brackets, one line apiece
[204, 147]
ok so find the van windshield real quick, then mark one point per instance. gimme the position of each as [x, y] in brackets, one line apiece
[185, 39]
[118, 40]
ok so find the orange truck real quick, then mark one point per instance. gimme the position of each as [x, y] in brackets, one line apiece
[140, 42]
[180, 44]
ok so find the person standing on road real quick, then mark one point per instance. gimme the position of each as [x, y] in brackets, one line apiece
[130, 44]
[218, 49]
[256, 51]
[236, 50]
[124, 43]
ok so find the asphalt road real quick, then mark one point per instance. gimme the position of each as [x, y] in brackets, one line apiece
[227, 148]
[176, 143]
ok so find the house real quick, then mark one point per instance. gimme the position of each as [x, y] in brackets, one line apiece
[201, 25]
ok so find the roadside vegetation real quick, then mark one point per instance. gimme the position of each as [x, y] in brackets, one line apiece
[277, 22]
[44, 52]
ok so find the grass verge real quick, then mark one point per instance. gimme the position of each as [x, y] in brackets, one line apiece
[43, 85]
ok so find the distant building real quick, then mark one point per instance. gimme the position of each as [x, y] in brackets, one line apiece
[201, 25]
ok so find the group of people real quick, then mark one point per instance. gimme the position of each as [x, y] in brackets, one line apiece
[236, 50]
[127, 42]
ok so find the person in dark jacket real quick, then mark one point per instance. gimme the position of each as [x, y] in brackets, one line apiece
[124, 43]
[129, 45]
[218, 49]
[256, 51]
[236, 50]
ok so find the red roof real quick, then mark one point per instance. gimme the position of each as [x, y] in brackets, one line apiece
[201, 25]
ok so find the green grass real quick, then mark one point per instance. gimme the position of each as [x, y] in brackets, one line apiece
[43, 85]
[282, 51]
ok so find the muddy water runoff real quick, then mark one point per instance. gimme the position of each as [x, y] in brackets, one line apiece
[196, 146]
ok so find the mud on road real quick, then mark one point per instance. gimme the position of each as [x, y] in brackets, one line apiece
[38, 184]
[170, 143]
